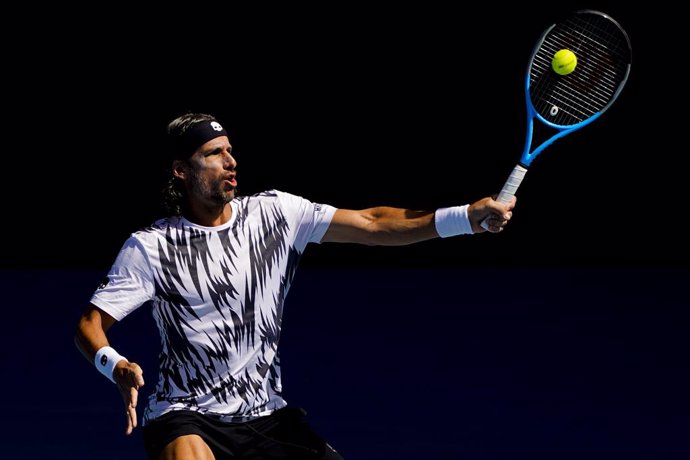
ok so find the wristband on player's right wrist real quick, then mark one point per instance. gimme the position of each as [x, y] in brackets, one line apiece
[105, 360]
[452, 221]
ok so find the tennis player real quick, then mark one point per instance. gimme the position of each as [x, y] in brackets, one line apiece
[215, 275]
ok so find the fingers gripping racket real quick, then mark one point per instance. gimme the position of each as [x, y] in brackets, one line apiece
[567, 91]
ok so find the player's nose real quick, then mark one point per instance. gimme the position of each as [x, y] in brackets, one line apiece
[229, 161]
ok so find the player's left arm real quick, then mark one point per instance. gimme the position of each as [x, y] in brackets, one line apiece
[90, 337]
[389, 226]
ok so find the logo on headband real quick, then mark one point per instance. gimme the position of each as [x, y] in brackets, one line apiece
[216, 126]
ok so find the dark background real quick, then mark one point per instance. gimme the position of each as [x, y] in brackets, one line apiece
[563, 337]
[404, 364]
[418, 107]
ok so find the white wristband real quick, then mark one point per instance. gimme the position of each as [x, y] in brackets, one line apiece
[453, 221]
[105, 360]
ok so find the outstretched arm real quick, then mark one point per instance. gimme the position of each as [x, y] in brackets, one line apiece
[396, 226]
[90, 338]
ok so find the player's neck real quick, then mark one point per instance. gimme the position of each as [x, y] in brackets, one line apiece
[209, 217]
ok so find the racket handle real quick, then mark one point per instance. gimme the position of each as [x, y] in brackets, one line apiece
[512, 184]
[509, 188]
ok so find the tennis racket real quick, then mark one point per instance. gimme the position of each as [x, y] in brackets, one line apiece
[566, 103]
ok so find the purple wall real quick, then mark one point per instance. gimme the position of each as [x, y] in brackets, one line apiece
[405, 364]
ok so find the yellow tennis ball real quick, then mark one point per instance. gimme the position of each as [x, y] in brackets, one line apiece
[564, 62]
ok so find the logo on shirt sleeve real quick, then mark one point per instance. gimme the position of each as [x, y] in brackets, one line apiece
[104, 283]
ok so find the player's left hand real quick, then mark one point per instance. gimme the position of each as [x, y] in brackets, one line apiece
[129, 378]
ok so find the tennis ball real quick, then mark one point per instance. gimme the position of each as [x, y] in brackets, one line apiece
[564, 62]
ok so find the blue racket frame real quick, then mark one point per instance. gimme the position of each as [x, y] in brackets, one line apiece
[529, 156]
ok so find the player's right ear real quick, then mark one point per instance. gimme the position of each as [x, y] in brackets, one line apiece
[178, 169]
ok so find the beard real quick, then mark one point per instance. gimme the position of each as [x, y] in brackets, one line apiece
[212, 191]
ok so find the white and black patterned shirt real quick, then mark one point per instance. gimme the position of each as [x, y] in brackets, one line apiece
[217, 297]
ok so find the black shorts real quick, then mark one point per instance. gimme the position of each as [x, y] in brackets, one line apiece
[282, 435]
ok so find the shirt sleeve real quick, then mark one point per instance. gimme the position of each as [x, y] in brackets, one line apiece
[312, 219]
[129, 283]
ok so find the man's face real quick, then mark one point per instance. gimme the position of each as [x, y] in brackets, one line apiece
[211, 173]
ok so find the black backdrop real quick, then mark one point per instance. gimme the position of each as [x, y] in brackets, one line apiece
[408, 106]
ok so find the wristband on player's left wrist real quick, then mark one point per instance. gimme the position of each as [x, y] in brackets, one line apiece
[106, 359]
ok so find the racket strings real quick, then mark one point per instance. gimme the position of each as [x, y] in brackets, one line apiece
[603, 58]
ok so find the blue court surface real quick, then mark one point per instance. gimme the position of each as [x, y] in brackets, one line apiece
[404, 364]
